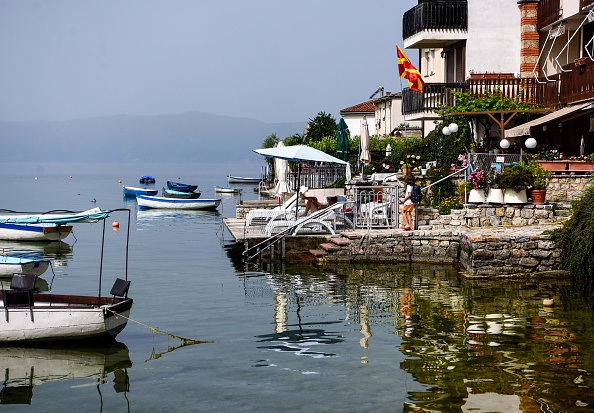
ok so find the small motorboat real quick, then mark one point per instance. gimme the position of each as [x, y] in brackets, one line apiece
[146, 201]
[242, 179]
[147, 179]
[132, 191]
[41, 317]
[10, 265]
[169, 193]
[34, 232]
[177, 186]
[227, 190]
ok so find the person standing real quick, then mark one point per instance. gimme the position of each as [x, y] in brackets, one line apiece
[409, 205]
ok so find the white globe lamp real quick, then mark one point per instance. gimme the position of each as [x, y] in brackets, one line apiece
[530, 143]
[446, 131]
[453, 127]
[504, 144]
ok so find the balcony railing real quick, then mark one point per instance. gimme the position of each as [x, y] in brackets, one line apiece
[433, 97]
[549, 11]
[443, 15]
[568, 86]
[523, 89]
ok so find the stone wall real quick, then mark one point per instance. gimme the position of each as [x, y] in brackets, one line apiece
[567, 187]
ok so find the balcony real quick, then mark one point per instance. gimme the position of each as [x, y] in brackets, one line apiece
[568, 86]
[549, 11]
[435, 24]
[437, 94]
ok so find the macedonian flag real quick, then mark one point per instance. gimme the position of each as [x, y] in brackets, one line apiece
[409, 72]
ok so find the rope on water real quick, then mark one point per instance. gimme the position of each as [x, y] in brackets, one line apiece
[185, 341]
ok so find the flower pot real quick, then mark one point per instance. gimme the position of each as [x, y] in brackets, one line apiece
[476, 196]
[580, 166]
[495, 196]
[515, 197]
[538, 196]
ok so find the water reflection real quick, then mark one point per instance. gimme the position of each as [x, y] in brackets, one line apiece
[23, 368]
[475, 345]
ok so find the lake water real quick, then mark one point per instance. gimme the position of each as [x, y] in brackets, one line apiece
[304, 338]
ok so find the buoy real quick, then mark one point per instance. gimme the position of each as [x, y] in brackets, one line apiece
[93, 200]
[115, 225]
[70, 176]
[120, 181]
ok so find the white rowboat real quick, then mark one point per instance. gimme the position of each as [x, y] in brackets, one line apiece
[34, 232]
[227, 190]
[145, 201]
[242, 179]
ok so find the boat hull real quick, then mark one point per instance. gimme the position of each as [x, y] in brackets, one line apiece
[10, 265]
[132, 191]
[65, 318]
[145, 201]
[176, 186]
[242, 180]
[226, 190]
[39, 232]
[168, 193]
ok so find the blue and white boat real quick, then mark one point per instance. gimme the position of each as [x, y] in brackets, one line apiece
[34, 232]
[147, 179]
[146, 201]
[10, 265]
[133, 191]
[242, 179]
[178, 186]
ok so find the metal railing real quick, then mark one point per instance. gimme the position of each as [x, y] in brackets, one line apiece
[443, 15]
[375, 206]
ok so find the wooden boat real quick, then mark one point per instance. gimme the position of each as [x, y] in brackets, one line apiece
[34, 232]
[242, 180]
[147, 179]
[35, 317]
[177, 186]
[146, 201]
[11, 264]
[133, 191]
[27, 367]
[169, 193]
[227, 190]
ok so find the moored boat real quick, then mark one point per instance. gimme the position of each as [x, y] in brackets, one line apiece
[242, 179]
[147, 179]
[177, 186]
[169, 193]
[34, 232]
[133, 191]
[34, 317]
[227, 190]
[10, 264]
[146, 201]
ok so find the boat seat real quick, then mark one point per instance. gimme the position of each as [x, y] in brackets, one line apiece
[120, 288]
[20, 293]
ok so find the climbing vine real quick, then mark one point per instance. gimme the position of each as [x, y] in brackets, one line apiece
[576, 238]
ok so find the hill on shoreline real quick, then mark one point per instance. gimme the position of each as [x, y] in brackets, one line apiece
[187, 137]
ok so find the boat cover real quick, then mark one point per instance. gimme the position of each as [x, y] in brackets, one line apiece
[91, 215]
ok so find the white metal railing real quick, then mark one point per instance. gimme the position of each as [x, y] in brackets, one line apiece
[375, 206]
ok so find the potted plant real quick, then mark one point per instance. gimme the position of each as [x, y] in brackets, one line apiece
[515, 179]
[410, 163]
[481, 181]
[540, 181]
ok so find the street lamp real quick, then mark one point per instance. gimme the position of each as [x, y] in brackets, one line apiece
[451, 128]
[504, 143]
[530, 143]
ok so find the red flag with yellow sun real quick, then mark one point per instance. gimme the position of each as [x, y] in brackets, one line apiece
[409, 72]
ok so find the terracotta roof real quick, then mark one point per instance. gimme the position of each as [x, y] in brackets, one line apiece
[367, 107]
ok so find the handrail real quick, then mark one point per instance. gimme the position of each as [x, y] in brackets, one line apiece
[270, 241]
[445, 177]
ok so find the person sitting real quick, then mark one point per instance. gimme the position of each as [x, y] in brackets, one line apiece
[312, 204]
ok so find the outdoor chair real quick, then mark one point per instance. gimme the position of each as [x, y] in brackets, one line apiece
[20, 293]
[259, 217]
[322, 221]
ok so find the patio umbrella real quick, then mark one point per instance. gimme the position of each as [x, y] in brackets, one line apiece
[365, 156]
[299, 153]
[342, 141]
[280, 173]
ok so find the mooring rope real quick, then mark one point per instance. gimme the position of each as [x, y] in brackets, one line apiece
[185, 341]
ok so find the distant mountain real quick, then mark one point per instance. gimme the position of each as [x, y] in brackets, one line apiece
[188, 137]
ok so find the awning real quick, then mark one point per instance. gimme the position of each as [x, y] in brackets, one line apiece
[524, 129]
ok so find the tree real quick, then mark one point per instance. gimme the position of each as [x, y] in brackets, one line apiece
[270, 141]
[323, 126]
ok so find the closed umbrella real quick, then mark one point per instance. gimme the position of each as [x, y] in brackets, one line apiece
[342, 141]
[365, 156]
[280, 173]
[582, 146]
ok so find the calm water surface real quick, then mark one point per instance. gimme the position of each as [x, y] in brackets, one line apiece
[353, 338]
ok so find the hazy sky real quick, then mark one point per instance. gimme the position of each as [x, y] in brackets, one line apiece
[271, 60]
